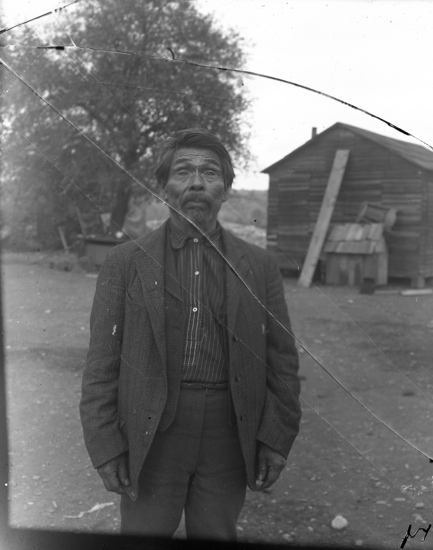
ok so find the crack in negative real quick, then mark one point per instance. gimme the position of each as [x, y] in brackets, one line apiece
[2, 62]
[260, 75]
[231, 69]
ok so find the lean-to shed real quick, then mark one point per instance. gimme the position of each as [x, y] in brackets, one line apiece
[380, 171]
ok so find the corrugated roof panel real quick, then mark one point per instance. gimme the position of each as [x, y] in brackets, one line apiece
[375, 231]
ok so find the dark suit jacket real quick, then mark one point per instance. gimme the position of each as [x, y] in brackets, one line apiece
[124, 391]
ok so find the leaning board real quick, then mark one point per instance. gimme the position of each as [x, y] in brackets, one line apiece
[325, 214]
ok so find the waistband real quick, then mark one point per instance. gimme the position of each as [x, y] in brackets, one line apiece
[202, 386]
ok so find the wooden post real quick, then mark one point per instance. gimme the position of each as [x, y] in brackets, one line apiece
[80, 221]
[325, 214]
[63, 239]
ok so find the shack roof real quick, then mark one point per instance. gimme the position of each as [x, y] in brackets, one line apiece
[417, 154]
[355, 238]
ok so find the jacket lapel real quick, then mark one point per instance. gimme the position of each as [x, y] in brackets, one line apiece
[150, 262]
[236, 257]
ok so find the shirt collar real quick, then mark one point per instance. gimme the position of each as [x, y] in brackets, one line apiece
[178, 238]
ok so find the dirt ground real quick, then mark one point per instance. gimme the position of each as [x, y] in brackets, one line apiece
[344, 462]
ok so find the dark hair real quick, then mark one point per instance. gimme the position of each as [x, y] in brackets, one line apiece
[192, 137]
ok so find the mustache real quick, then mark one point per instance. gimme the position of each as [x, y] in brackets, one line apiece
[194, 197]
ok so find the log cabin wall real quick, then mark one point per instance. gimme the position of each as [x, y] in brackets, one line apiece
[427, 242]
[374, 174]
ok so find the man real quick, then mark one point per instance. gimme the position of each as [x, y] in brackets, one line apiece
[190, 392]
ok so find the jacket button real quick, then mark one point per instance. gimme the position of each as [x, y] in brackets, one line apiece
[238, 378]
[235, 338]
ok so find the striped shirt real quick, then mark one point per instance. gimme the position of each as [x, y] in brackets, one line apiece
[201, 274]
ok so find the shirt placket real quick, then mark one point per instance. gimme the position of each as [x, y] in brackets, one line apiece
[196, 303]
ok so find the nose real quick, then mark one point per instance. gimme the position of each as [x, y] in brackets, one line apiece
[196, 181]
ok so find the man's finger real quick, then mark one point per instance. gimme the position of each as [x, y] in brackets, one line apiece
[261, 473]
[123, 473]
[261, 467]
[272, 475]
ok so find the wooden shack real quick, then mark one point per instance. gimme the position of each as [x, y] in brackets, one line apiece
[380, 171]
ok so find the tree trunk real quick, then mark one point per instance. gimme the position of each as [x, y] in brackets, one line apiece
[120, 209]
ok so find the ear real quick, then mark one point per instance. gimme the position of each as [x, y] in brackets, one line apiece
[225, 195]
[163, 193]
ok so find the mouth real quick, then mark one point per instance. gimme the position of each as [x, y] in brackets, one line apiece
[194, 201]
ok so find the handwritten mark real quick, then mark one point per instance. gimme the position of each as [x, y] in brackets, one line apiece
[408, 534]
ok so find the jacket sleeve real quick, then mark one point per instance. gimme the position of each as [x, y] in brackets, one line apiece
[98, 406]
[279, 423]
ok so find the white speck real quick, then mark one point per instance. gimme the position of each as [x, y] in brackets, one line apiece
[263, 328]
[93, 509]
[48, 311]
[339, 522]
[114, 330]
[358, 543]
[287, 537]
[350, 301]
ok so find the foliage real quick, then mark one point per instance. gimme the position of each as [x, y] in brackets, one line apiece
[125, 103]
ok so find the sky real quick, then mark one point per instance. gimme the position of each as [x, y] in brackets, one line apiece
[375, 54]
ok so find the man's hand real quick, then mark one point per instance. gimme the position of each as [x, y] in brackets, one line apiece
[269, 466]
[114, 474]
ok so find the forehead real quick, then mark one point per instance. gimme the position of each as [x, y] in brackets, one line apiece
[196, 156]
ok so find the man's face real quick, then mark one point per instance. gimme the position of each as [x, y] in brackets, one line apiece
[195, 186]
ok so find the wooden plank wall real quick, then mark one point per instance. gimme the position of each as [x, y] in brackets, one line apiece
[373, 174]
[427, 241]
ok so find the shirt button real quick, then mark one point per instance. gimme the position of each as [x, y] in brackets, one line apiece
[196, 240]
[238, 378]
[194, 309]
[197, 272]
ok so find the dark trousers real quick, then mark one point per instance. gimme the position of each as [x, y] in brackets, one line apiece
[195, 465]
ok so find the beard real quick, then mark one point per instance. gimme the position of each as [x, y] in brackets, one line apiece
[199, 216]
